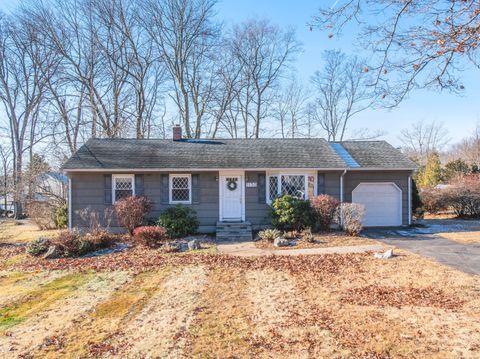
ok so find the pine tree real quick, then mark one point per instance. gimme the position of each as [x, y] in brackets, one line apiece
[432, 175]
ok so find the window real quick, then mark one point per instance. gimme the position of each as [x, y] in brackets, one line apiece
[299, 186]
[123, 186]
[180, 189]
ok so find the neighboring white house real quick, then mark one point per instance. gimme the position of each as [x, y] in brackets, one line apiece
[51, 186]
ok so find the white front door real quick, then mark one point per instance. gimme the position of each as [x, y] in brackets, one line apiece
[231, 197]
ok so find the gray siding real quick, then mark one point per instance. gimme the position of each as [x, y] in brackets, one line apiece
[400, 178]
[255, 211]
[332, 183]
[88, 192]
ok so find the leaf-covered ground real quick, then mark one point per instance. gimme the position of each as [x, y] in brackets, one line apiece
[144, 303]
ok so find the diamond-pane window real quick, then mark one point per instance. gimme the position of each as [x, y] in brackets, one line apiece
[123, 187]
[272, 187]
[293, 185]
[180, 189]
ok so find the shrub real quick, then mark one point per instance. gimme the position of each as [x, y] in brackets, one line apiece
[38, 246]
[269, 234]
[100, 239]
[417, 204]
[61, 217]
[42, 214]
[464, 197]
[150, 236]
[350, 216]
[308, 236]
[291, 213]
[179, 221]
[68, 242]
[131, 211]
[434, 200]
[324, 208]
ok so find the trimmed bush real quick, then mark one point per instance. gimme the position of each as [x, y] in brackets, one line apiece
[352, 214]
[38, 246]
[131, 211]
[324, 208]
[179, 221]
[434, 200]
[151, 236]
[291, 213]
[61, 217]
[269, 234]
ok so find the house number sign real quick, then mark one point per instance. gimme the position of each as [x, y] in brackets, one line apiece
[251, 184]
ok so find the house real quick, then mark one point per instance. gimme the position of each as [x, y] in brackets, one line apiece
[50, 187]
[231, 183]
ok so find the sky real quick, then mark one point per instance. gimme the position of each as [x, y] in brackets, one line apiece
[459, 114]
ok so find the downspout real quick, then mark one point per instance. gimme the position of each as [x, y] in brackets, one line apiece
[69, 204]
[409, 200]
[341, 194]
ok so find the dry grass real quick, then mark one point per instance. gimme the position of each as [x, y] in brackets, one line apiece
[462, 237]
[322, 240]
[209, 305]
[23, 231]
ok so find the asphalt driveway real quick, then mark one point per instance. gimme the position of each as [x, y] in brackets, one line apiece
[426, 242]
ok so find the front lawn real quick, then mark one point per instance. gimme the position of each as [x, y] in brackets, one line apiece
[145, 301]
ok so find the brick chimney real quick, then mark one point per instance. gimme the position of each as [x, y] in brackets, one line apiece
[177, 132]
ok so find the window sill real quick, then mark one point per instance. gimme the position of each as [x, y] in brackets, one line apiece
[179, 202]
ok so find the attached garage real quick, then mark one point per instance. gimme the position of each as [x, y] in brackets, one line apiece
[382, 201]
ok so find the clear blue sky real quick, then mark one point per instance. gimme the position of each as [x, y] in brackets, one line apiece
[458, 113]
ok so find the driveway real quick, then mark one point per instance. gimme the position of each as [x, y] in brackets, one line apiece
[428, 242]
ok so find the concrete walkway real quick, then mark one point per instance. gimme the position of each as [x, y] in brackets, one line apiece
[248, 249]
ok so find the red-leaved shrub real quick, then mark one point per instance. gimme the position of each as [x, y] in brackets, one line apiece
[434, 200]
[131, 211]
[324, 208]
[150, 236]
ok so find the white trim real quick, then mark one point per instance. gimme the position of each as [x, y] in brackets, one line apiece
[400, 192]
[342, 195]
[69, 203]
[171, 176]
[191, 169]
[119, 175]
[226, 173]
[409, 200]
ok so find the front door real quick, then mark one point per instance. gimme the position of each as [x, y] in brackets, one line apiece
[231, 197]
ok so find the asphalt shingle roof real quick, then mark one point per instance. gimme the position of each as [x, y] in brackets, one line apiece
[377, 154]
[232, 153]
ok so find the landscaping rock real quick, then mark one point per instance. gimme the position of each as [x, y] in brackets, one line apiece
[386, 255]
[119, 247]
[194, 244]
[281, 242]
[171, 247]
[53, 252]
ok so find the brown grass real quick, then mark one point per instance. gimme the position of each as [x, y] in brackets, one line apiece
[214, 305]
[22, 231]
[462, 237]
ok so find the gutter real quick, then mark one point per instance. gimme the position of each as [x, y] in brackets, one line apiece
[409, 200]
[341, 194]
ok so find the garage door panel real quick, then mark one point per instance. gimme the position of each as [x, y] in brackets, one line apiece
[382, 202]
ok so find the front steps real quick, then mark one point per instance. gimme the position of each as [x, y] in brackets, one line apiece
[234, 231]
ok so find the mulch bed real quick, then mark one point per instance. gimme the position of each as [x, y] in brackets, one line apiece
[400, 296]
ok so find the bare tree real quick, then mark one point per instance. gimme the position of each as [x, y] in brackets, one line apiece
[343, 90]
[468, 149]
[23, 78]
[415, 43]
[422, 139]
[6, 170]
[289, 109]
[264, 52]
[184, 37]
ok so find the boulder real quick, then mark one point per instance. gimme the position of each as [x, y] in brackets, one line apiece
[281, 242]
[194, 244]
[53, 252]
[386, 255]
[172, 247]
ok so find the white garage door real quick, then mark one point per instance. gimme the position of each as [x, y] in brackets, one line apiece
[382, 201]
